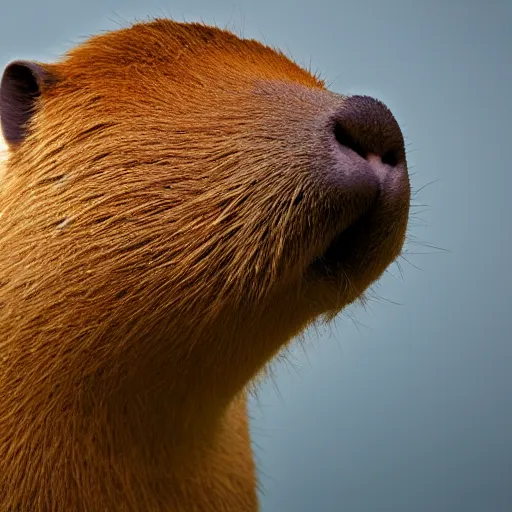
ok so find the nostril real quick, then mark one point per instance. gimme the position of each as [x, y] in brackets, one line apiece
[345, 139]
[367, 127]
[390, 158]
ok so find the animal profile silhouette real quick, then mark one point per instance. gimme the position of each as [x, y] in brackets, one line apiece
[176, 204]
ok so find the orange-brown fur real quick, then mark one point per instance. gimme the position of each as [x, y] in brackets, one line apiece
[3, 155]
[151, 265]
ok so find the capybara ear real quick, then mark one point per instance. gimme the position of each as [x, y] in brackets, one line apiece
[21, 86]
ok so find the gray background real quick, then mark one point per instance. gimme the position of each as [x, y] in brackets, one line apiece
[397, 407]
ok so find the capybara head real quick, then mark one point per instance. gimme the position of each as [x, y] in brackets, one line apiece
[177, 204]
[171, 186]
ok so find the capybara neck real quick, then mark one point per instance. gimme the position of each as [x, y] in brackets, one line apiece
[177, 205]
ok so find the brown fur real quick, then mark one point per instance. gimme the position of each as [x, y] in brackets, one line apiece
[156, 228]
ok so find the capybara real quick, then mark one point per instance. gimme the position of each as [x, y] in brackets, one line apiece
[177, 204]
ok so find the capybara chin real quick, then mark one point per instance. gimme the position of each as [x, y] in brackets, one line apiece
[177, 204]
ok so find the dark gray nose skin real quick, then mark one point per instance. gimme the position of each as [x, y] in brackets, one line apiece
[365, 147]
[367, 126]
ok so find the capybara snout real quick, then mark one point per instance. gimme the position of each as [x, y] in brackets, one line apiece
[339, 165]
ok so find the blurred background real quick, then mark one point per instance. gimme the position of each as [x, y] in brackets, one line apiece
[406, 404]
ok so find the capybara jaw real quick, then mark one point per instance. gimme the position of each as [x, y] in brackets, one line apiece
[361, 250]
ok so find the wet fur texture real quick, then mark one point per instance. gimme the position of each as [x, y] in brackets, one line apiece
[157, 226]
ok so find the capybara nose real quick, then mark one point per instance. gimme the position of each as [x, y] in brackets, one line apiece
[367, 127]
[367, 145]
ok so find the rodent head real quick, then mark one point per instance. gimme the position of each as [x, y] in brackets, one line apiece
[175, 184]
